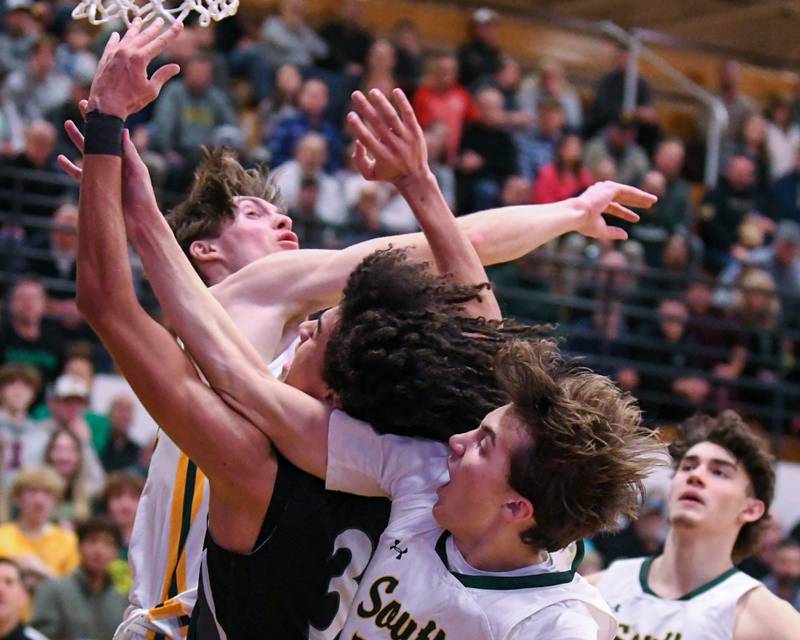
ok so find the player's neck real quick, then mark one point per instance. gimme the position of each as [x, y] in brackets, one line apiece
[690, 560]
[215, 274]
[502, 551]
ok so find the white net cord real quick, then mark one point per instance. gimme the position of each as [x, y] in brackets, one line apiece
[100, 11]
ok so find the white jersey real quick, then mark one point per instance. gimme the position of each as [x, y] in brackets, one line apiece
[166, 546]
[419, 585]
[707, 613]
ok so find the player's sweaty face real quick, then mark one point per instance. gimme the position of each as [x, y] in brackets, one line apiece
[710, 489]
[258, 229]
[474, 498]
[305, 372]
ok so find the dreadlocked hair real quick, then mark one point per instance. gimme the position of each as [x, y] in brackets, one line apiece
[218, 180]
[405, 357]
[589, 452]
[730, 432]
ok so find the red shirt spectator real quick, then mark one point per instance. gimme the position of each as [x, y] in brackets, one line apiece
[442, 99]
[564, 178]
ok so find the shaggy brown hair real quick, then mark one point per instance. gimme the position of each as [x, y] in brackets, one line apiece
[210, 204]
[589, 452]
[406, 359]
[730, 432]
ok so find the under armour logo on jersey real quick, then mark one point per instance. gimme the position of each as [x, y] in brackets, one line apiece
[616, 608]
[396, 547]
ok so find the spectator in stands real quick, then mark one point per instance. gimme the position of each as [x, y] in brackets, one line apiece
[22, 441]
[772, 535]
[658, 224]
[758, 311]
[733, 201]
[364, 217]
[310, 162]
[189, 110]
[122, 453]
[14, 603]
[38, 88]
[409, 55]
[283, 101]
[59, 246]
[537, 146]
[120, 501]
[751, 141]
[683, 390]
[35, 195]
[786, 193]
[28, 338]
[783, 139]
[516, 191]
[74, 56]
[37, 545]
[675, 203]
[379, 71]
[784, 577]
[436, 143]
[609, 97]
[21, 29]
[617, 142]
[781, 260]
[70, 111]
[289, 40]
[480, 56]
[508, 81]
[488, 156]
[738, 105]
[348, 40]
[644, 535]
[441, 99]
[85, 604]
[566, 176]
[313, 101]
[83, 478]
[12, 139]
[552, 85]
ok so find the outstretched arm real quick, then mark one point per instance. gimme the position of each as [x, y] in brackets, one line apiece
[162, 376]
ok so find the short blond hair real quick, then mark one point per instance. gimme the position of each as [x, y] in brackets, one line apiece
[43, 478]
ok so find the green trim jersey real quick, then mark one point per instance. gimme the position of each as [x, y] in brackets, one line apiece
[707, 613]
[418, 586]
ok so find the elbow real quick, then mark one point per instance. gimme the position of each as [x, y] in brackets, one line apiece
[478, 239]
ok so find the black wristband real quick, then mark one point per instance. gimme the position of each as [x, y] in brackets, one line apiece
[103, 135]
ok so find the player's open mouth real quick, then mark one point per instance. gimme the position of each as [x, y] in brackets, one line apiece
[690, 496]
[289, 237]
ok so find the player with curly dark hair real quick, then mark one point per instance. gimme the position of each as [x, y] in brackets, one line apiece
[720, 495]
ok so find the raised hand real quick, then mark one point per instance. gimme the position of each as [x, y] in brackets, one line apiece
[390, 146]
[611, 198]
[121, 86]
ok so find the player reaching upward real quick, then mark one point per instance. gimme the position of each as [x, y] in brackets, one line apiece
[226, 238]
[723, 485]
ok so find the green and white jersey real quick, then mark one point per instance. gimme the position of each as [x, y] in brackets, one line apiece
[707, 613]
[418, 586]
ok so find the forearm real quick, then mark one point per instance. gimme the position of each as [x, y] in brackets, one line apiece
[508, 233]
[451, 248]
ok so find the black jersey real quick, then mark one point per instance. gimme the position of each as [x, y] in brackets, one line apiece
[302, 575]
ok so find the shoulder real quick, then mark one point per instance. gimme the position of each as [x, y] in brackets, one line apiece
[568, 620]
[761, 614]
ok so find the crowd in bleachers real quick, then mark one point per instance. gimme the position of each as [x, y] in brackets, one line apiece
[698, 309]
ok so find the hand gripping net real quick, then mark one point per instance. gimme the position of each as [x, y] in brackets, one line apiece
[100, 11]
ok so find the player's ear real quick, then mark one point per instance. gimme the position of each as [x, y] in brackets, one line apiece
[203, 250]
[752, 511]
[518, 510]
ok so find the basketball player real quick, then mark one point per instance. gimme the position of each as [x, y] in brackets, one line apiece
[168, 557]
[723, 485]
[212, 252]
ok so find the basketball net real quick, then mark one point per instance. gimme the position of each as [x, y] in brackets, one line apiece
[100, 11]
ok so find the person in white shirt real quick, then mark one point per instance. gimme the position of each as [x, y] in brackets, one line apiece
[720, 495]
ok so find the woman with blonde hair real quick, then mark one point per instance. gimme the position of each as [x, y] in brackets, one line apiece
[81, 472]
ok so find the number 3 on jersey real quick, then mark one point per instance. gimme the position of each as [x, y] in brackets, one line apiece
[360, 547]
